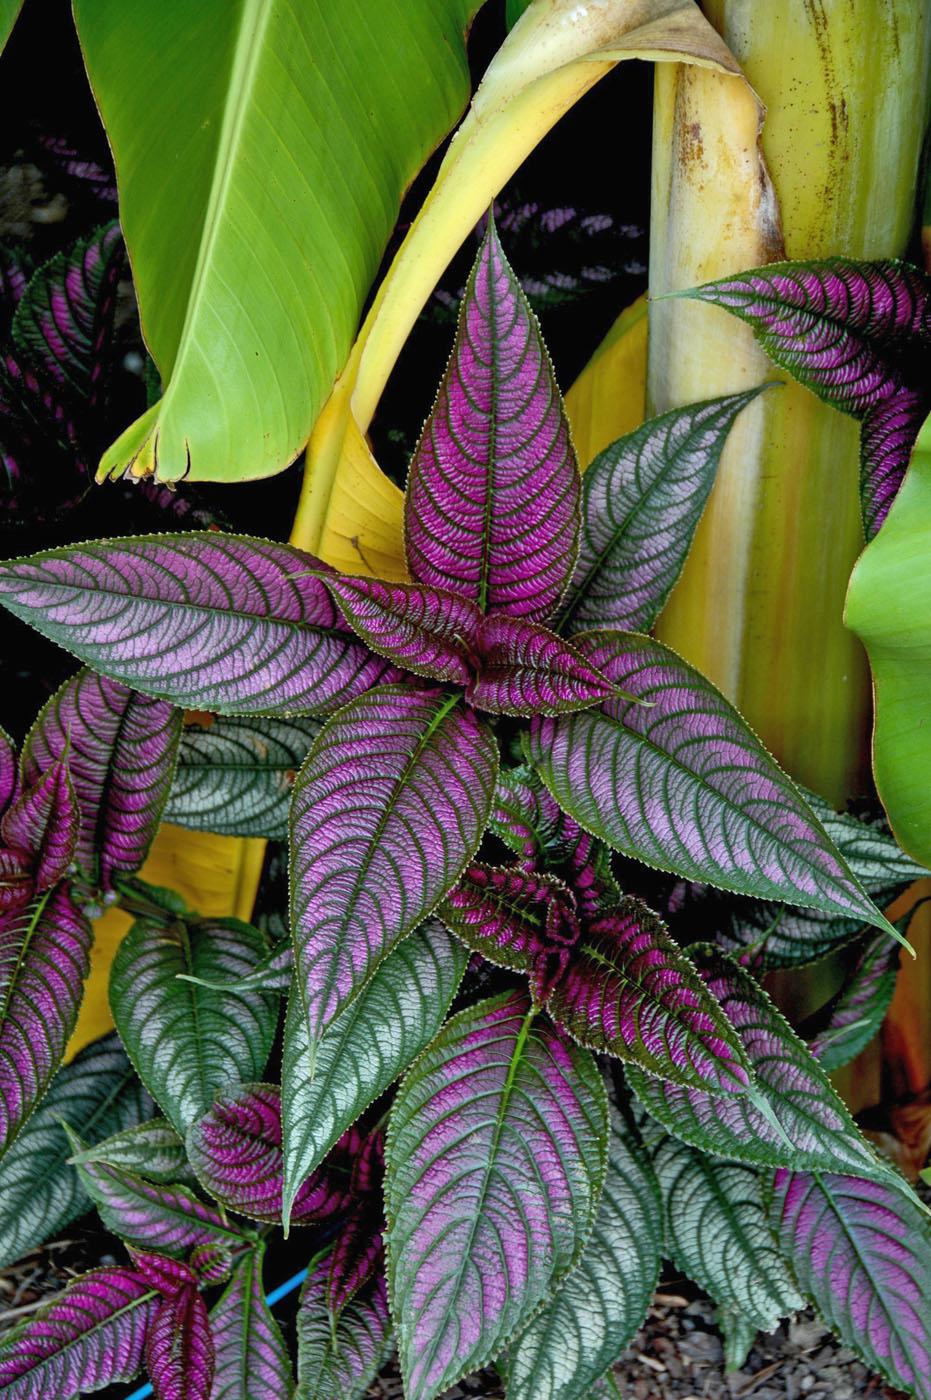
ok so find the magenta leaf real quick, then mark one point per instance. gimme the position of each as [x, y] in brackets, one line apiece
[9, 777]
[630, 991]
[97, 1092]
[597, 1310]
[529, 820]
[234, 775]
[160, 1219]
[339, 1354]
[235, 1149]
[852, 1017]
[16, 885]
[90, 1336]
[429, 631]
[525, 669]
[718, 1234]
[682, 783]
[251, 1359]
[861, 1251]
[516, 919]
[63, 322]
[391, 1021]
[167, 1276]
[43, 821]
[387, 811]
[495, 1160]
[493, 491]
[188, 1039]
[792, 1117]
[642, 498]
[120, 749]
[179, 1350]
[358, 1255]
[44, 958]
[205, 620]
[857, 335]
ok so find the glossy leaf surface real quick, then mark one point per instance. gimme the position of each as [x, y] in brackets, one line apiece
[495, 1161]
[243, 106]
[857, 335]
[207, 621]
[365, 1049]
[642, 498]
[251, 1359]
[597, 1310]
[179, 1354]
[525, 669]
[90, 1336]
[856, 1013]
[9, 777]
[43, 821]
[40, 1193]
[682, 783]
[429, 631]
[491, 509]
[191, 1041]
[630, 991]
[793, 1117]
[338, 1355]
[862, 1253]
[120, 749]
[152, 1149]
[234, 775]
[44, 957]
[387, 810]
[718, 1233]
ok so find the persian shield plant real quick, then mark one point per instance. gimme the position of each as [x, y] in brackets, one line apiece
[474, 765]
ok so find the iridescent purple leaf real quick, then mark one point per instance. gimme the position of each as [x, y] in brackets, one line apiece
[516, 919]
[855, 333]
[167, 1276]
[358, 1254]
[387, 811]
[120, 749]
[9, 777]
[495, 1160]
[630, 991]
[167, 1220]
[598, 1309]
[718, 1234]
[179, 1351]
[234, 775]
[44, 821]
[251, 1358]
[16, 884]
[492, 506]
[189, 1040]
[90, 1336]
[97, 1092]
[861, 1251]
[65, 317]
[792, 1117]
[339, 1355]
[235, 1149]
[152, 1149]
[529, 820]
[205, 620]
[642, 498]
[365, 1049]
[44, 958]
[429, 631]
[682, 783]
[525, 669]
[851, 1019]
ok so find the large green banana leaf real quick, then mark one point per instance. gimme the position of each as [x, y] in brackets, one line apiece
[262, 148]
[9, 9]
[889, 608]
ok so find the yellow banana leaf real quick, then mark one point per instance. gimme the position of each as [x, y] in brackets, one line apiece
[216, 875]
[608, 398]
[556, 51]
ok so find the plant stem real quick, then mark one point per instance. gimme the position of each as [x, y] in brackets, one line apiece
[759, 606]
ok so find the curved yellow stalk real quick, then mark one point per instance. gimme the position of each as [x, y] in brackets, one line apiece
[759, 606]
[553, 55]
[608, 398]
